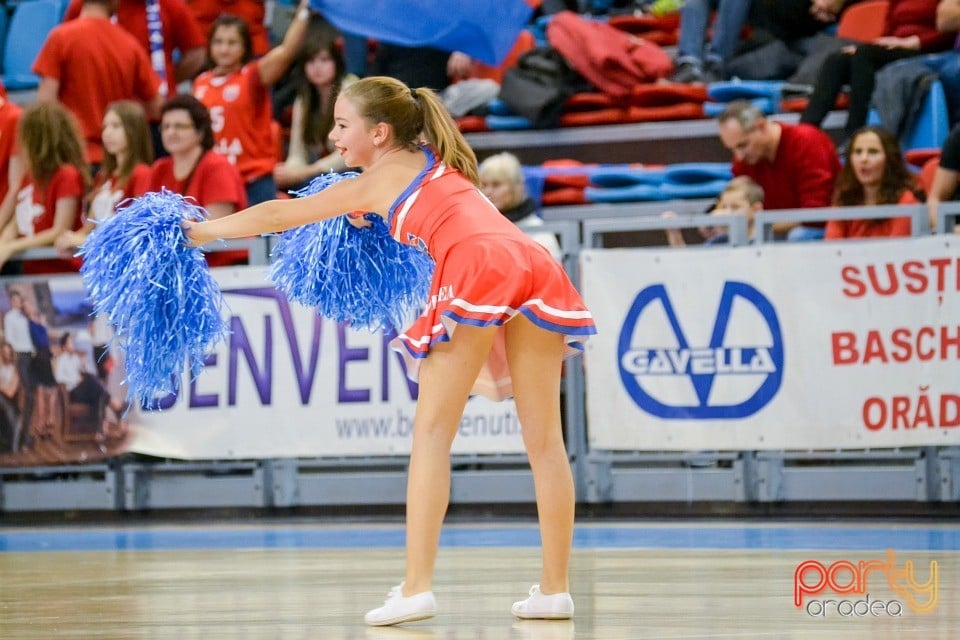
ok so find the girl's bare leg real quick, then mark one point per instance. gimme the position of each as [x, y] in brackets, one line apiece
[535, 358]
[446, 377]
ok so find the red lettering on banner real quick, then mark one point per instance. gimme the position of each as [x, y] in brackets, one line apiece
[916, 280]
[874, 348]
[910, 276]
[949, 401]
[844, 351]
[901, 404]
[904, 412]
[902, 344]
[849, 275]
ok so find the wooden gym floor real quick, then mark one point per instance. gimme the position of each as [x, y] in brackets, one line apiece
[629, 581]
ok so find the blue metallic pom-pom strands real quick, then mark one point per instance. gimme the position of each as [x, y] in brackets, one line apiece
[156, 292]
[359, 276]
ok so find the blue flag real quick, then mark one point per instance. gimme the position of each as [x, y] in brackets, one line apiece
[483, 29]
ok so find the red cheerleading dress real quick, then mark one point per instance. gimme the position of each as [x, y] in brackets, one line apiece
[487, 271]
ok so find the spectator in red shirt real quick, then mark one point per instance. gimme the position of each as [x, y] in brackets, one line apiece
[90, 62]
[874, 174]
[11, 168]
[237, 93]
[125, 172]
[253, 12]
[176, 32]
[57, 177]
[195, 170]
[795, 165]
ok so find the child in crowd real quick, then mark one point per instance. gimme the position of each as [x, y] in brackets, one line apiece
[741, 196]
[125, 172]
[56, 180]
[237, 93]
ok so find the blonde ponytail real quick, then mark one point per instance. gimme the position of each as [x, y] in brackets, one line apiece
[413, 113]
[442, 132]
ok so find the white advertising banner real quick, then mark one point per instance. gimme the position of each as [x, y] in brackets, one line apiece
[789, 346]
[288, 383]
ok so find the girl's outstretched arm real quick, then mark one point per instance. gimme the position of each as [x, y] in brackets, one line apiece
[274, 216]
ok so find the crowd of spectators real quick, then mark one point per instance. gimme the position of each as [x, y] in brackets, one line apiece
[137, 96]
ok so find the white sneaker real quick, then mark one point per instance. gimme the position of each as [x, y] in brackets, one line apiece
[397, 609]
[556, 606]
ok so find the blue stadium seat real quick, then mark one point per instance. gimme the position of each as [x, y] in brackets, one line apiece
[932, 124]
[4, 23]
[29, 26]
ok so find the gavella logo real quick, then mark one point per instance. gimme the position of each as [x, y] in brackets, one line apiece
[843, 577]
[703, 372]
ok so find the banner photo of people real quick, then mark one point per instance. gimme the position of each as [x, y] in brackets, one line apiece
[285, 383]
[821, 346]
[61, 393]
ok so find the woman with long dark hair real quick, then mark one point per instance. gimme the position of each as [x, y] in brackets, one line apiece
[125, 172]
[874, 174]
[311, 152]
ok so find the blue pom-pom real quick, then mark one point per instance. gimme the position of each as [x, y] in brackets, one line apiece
[156, 292]
[362, 277]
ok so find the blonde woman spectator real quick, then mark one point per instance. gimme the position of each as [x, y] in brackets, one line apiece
[501, 180]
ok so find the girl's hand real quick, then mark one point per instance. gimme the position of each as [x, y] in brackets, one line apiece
[190, 231]
[356, 219]
[67, 242]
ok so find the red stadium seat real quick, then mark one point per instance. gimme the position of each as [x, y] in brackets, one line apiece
[863, 21]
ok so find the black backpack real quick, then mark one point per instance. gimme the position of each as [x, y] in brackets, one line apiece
[538, 86]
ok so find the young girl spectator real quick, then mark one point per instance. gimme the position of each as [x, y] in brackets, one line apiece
[501, 180]
[125, 172]
[311, 152]
[874, 174]
[237, 93]
[56, 180]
